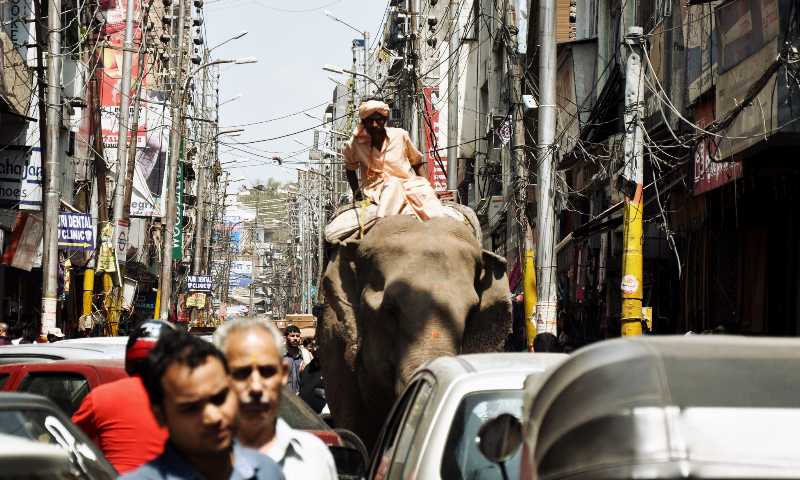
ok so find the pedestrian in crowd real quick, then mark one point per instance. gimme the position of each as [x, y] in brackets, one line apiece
[189, 390]
[296, 356]
[4, 340]
[117, 415]
[259, 370]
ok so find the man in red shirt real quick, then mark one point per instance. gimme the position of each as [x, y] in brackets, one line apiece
[117, 415]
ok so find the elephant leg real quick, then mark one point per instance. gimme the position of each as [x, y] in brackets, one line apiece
[341, 385]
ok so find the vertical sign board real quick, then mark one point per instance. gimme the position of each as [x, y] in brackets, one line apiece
[437, 164]
[76, 231]
[121, 240]
[241, 273]
[21, 177]
[709, 173]
[177, 234]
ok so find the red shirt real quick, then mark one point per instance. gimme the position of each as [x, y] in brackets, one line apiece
[118, 418]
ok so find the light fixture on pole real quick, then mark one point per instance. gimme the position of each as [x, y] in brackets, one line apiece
[235, 37]
[339, 70]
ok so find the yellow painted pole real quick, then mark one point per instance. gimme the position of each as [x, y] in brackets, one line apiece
[529, 287]
[631, 321]
[112, 312]
[633, 169]
[158, 303]
[88, 291]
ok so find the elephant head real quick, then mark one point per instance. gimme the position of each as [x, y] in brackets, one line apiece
[411, 291]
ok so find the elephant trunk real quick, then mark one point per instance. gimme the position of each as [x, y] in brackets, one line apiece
[435, 340]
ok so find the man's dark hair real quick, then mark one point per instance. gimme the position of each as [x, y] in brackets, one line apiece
[176, 346]
[292, 329]
[546, 342]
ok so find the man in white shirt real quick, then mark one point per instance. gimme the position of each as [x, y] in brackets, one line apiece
[255, 352]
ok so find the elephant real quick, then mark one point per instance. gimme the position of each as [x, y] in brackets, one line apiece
[408, 292]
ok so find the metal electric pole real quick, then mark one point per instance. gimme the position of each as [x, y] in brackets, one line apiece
[197, 264]
[52, 172]
[632, 175]
[175, 140]
[547, 298]
[124, 127]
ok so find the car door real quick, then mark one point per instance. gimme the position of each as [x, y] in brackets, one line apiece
[65, 387]
[391, 458]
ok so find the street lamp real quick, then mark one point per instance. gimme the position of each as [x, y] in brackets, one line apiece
[235, 37]
[364, 34]
[232, 99]
[340, 70]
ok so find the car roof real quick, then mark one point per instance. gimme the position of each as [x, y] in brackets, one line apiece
[451, 368]
[18, 399]
[56, 351]
[95, 341]
[57, 365]
[699, 391]
[23, 456]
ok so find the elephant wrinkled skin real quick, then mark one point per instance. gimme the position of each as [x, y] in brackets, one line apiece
[408, 292]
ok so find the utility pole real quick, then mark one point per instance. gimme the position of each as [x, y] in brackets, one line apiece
[632, 173]
[452, 99]
[197, 264]
[255, 260]
[175, 140]
[52, 171]
[518, 149]
[124, 125]
[547, 298]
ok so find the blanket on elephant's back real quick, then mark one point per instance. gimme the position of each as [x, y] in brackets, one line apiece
[362, 216]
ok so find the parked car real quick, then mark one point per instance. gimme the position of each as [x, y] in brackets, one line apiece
[37, 419]
[67, 382]
[48, 352]
[662, 407]
[431, 429]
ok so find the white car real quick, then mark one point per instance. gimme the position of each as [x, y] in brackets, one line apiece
[22, 458]
[64, 350]
[432, 428]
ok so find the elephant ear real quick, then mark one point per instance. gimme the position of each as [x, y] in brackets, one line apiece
[341, 295]
[489, 325]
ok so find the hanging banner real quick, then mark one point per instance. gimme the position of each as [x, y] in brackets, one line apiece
[199, 283]
[437, 164]
[121, 240]
[25, 241]
[177, 235]
[21, 177]
[76, 231]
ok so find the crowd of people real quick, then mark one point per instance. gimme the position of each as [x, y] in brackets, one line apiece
[193, 409]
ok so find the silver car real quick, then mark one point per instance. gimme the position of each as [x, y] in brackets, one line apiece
[48, 352]
[431, 430]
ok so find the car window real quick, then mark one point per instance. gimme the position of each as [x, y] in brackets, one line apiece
[3, 379]
[400, 429]
[461, 457]
[44, 426]
[12, 359]
[65, 389]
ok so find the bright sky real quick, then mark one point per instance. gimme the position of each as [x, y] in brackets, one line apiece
[292, 41]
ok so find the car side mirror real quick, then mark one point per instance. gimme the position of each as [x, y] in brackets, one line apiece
[350, 462]
[500, 437]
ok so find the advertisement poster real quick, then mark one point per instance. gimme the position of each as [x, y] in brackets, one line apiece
[437, 162]
[26, 239]
[21, 177]
[710, 174]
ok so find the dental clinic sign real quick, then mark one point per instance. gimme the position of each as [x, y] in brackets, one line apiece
[21, 177]
[75, 231]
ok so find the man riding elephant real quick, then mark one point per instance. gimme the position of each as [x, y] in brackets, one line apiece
[393, 175]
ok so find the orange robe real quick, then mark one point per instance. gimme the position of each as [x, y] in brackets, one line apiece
[387, 178]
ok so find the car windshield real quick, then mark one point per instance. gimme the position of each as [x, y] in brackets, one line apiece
[461, 459]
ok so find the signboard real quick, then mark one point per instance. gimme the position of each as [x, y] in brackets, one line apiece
[121, 239]
[76, 231]
[702, 48]
[177, 233]
[241, 273]
[25, 242]
[708, 173]
[199, 283]
[437, 164]
[21, 177]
